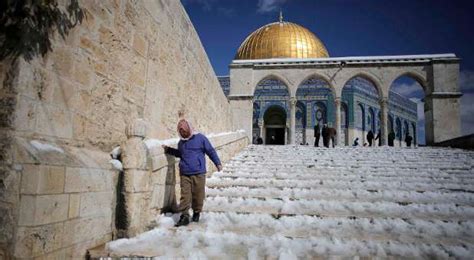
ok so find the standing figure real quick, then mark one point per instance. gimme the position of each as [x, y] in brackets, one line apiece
[325, 134]
[379, 137]
[192, 147]
[317, 135]
[332, 136]
[370, 137]
[391, 138]
[408, 139]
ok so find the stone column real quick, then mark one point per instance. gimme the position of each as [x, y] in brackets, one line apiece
[136, 187]
[384, 121]
[337, 102]
[260, 127]
[292, 120]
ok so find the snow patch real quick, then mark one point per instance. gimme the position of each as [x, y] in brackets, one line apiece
[45, 147]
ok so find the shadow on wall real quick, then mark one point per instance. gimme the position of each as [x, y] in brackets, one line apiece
[463, 142]
[169, 200]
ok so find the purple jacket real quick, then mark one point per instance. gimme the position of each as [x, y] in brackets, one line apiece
[192, 153]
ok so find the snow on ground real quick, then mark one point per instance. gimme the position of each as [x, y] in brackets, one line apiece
[293, 202]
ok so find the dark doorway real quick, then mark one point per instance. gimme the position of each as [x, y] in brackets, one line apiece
[275, 122]
[275, 136]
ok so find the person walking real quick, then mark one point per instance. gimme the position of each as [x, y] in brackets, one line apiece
[370, 137]
[192, 147]
[317, 135]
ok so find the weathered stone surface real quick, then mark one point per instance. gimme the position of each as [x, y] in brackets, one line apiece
[40, 179]
[74, 205]
[97, 204]
[137, 180]
[43, 209]
[158, 197]
[85, 229]
[134, 154]
[35, 241]
[86, 180]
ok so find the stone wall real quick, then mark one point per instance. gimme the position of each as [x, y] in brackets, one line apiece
[151, 178]
[62, 114]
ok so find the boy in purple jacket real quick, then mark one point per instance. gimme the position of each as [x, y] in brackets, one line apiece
[192, 169]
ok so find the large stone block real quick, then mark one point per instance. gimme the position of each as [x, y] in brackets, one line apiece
[44, 209]
[97, 204]
[137, 206]
[158, 197]
[25, 114]
[53, 121]
[159, 176]
[137, 180]
[85, 229]
[87, 180]
[36, 241]
[41, 179]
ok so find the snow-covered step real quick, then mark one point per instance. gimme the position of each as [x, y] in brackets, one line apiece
[340, 208]
[216, 243]
[304, 202]
[397, 196]
[336, 184]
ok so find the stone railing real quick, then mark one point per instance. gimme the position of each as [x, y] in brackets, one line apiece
[151, 178]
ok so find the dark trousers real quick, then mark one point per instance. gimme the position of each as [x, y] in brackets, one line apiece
[316, 141]
[326, 142]
[192, 193]
[370, 142]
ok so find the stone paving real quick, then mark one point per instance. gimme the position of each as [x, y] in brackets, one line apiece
[292, 202]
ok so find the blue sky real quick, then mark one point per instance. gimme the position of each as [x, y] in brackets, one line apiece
[349, 28]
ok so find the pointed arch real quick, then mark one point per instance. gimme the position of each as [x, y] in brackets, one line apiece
[369, 77]
[272, 76]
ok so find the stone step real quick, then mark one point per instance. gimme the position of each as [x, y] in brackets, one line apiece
[345, 177]
[214, 182]
[397, 196]
[340, 208]
[383, 229]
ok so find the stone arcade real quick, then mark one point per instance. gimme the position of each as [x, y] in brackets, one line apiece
[283, 81]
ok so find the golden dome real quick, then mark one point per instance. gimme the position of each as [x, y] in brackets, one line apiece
[281, 40]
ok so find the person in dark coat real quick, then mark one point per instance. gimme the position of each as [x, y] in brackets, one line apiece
[408, 139]
[325, 134]
[317, 135]
[259, 140]
[370, 137]
[379, 137]
[391, 138]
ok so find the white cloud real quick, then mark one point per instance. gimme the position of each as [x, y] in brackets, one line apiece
[265, 6]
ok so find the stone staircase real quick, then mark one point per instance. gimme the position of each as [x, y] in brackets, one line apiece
[292, 202]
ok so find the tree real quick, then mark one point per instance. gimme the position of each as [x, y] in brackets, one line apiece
[26, 26]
